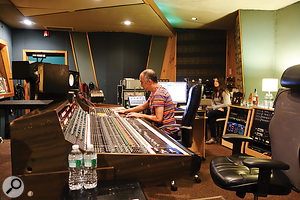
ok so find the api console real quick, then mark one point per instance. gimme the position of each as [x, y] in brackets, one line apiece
[127, 148]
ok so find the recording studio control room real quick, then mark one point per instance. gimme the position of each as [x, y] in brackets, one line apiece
[149, 100]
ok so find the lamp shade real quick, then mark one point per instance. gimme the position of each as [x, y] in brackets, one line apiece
[269, 84]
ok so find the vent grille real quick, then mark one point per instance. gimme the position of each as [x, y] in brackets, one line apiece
[59, 28]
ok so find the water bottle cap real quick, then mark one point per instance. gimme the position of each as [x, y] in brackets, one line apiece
[75, 146]
[90, 146]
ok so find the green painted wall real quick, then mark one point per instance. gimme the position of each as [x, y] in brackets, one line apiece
[258, 48]
[287, 38]
[270, 44]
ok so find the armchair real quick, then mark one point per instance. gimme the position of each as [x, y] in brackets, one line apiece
[279, 175]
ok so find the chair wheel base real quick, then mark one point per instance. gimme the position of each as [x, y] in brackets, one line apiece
[173, 186]
[197, 178]
[241, 194]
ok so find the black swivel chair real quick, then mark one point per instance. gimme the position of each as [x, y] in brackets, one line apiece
[188, 117]
[262, 177]
[186, 129]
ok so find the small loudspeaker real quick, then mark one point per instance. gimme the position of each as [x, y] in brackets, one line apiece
[53, 79]
[73, 80]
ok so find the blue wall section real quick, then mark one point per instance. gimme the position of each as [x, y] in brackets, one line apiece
[117, 56]
[5, 34]
[34, 40]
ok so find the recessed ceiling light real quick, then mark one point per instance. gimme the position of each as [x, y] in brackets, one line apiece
[127, 22]
[27, 22]
[194, 18]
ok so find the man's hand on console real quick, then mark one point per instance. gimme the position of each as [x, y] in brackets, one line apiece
[121, 111]
[134, 114]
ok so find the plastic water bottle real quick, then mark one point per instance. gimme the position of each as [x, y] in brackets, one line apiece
[75, 168]
[90, 164]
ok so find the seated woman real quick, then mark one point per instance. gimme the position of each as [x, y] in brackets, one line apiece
[221, 99]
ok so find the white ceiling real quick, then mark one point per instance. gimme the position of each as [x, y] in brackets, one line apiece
[148, 16]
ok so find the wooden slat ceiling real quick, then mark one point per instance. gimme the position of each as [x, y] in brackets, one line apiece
[93, 16]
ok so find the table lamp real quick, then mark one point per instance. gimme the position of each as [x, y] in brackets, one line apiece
[269, 85]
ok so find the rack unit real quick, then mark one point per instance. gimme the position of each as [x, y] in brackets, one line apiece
[128, 87]
[259, 131]
[237, 122]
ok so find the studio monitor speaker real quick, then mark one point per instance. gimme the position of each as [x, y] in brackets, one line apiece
[53, 79]
[73, 80]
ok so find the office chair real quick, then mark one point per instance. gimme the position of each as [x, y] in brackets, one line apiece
[186, 129]
[188, 117]
[262, 177]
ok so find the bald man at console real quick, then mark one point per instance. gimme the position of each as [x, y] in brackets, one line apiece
[160, 104]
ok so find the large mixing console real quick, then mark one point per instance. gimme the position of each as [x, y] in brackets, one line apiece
[111, 133]
[133, 148]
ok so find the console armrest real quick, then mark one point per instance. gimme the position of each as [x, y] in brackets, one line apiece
[265, 163]
[176, 125]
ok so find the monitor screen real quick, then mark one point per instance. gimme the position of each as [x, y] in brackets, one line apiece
[136, 100]
[177, 90]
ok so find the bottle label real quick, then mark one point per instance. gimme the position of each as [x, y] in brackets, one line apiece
[75, 163]
[90, 162]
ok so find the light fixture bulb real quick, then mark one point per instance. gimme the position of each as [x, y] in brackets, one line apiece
[194, 18]
[127, 22]
[27, 22]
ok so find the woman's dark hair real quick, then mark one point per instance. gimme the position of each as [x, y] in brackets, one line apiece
[217, 93]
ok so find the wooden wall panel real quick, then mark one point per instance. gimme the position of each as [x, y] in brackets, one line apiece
[5, 70]
[169, 65]
[230, 56]
[238, 55]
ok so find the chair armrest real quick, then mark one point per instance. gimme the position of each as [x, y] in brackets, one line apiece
[265, 163]
[220, 119]
[236, 140]
[265, 170]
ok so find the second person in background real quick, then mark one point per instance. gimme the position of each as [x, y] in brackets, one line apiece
[221, 99]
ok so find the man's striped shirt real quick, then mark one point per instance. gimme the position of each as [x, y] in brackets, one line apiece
[162, 98]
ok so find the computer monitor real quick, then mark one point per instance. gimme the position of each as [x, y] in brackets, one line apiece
[136, 100]
[177, 90]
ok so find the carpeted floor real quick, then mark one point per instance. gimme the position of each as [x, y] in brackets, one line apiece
[187, 188]
[211, 198]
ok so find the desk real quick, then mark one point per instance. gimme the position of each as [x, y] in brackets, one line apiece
[199, 129]
[24, 104]
[20, 104]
